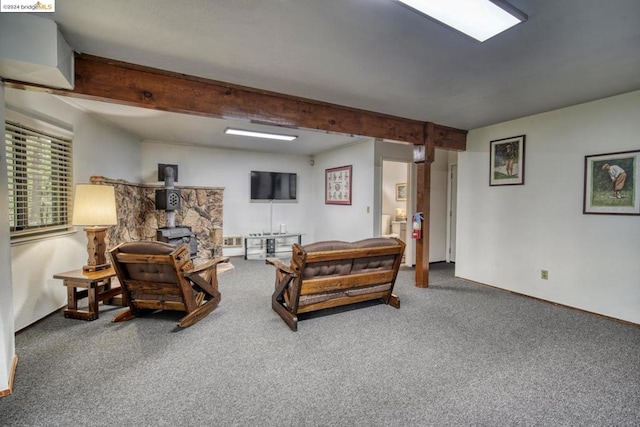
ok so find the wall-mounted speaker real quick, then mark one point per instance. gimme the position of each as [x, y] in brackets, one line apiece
[167, 199]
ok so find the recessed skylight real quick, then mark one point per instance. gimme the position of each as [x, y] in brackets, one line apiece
[480, 19]
[267, 135]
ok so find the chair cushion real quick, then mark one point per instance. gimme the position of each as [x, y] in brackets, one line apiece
[154, 272]
[150, 247]
[157, 273]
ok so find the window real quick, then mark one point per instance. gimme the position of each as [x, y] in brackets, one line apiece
[39, 172]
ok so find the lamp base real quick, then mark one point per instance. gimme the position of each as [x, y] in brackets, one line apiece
[96, 248]
[88, 268]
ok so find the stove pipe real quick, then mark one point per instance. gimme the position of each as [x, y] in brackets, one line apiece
[169, 184]
[168, 199]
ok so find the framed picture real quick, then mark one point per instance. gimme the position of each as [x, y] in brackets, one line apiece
[401, 192]
[507, 161]
[611, 183]
[337, 187]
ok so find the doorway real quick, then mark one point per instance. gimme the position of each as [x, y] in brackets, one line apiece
[396, 202]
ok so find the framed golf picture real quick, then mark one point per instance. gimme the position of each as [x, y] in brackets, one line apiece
[611, 183]
[507, 161]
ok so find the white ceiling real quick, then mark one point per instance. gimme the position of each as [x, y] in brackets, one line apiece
[370, 54]
[161, 126]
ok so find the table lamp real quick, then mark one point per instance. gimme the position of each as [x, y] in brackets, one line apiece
[94, 206]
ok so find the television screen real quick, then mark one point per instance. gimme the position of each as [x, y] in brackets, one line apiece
[273, 185]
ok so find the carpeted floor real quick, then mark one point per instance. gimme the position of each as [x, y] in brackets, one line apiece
[455, 354]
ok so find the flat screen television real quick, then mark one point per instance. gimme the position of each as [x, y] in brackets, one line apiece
[267, 186]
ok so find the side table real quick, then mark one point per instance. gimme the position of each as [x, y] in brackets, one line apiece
[96, 286]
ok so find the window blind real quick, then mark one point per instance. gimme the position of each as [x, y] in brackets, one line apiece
[39, 169]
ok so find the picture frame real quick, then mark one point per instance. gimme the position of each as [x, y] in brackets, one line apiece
[612, 183]
[337, 187]
[401, 192]
[507, 161]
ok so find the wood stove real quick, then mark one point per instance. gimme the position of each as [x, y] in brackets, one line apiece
[177, 236]
[168, 199]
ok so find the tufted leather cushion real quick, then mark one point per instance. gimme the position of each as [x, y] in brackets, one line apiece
[374, 242]
[327, 245]
[328, 268]
[326, 296]
[160, 273]
[362, 265]
[346, 266]
[150, 247]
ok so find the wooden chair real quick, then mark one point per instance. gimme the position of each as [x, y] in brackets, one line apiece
[159, 276]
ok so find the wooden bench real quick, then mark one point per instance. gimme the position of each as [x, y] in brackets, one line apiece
[334, 273]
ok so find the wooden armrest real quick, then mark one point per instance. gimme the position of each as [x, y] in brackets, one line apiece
[206, 265]
[277, 263]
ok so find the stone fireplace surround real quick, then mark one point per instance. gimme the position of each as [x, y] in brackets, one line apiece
[138, 219]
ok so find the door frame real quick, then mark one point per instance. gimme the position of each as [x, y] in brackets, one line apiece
[452, 208]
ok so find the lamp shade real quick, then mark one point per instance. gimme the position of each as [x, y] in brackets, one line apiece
[94, 205]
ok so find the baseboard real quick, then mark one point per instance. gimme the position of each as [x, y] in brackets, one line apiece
[624, 322]
[12, 375]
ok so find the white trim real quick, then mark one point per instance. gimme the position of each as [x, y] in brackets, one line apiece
[38, 121]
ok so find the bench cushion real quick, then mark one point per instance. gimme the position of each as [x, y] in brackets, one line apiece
[326, 296]
[327, 268]
[362, 265]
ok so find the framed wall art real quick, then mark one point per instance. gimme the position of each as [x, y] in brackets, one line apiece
[611, 183]
[337, 189]
[507, 161]
[401, 192]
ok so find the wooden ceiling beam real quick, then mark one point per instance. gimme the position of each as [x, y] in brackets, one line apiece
[129, 84]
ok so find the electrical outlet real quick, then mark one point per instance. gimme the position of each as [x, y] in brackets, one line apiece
[544, 274]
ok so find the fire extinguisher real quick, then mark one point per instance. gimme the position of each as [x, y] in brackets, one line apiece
[416, 232]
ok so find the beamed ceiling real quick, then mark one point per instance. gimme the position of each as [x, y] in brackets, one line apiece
[373, 55]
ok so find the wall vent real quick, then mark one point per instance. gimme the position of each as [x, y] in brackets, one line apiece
[232, 242]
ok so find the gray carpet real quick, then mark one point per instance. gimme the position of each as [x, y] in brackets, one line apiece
[456, 354]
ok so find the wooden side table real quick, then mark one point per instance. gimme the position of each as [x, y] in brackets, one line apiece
[96, 286]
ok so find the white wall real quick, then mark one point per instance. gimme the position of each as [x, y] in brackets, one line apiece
[438, 207]
[345, 222]
[310, 215]
[506, 235]
[98, 149]
[230, 169]
[7, 338]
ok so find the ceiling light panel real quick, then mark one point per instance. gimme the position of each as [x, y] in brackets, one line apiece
[480, 19]
[266, 135]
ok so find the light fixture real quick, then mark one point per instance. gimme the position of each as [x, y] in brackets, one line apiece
[267, 135]
[480, 19]
[95, 207]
